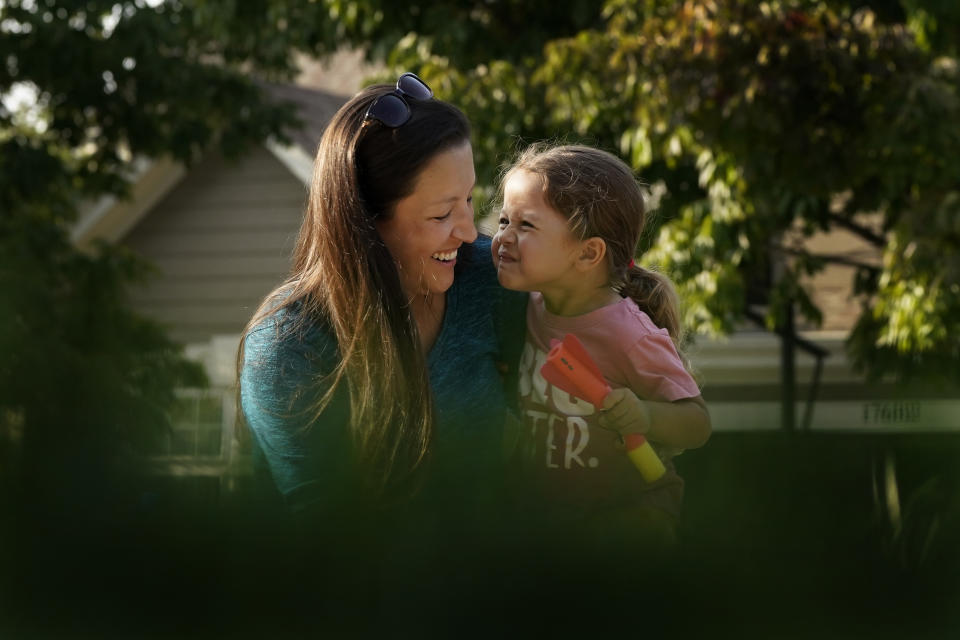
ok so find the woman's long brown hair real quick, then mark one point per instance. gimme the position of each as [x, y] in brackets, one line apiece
[344, 277]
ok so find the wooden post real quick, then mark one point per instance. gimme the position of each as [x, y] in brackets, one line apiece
[788, 371]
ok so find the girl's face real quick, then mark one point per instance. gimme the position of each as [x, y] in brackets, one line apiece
[533, 248]
[428, 226]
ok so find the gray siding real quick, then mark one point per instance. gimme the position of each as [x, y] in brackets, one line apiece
[221, 240]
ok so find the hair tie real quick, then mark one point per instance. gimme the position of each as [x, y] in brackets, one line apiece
[631, 265]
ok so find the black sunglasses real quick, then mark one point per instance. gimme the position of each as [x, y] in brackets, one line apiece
[392, 109]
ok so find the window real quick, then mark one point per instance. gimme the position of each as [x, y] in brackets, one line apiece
[197, 425]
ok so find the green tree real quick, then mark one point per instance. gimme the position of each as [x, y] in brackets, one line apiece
[762, 123]
[86, 380]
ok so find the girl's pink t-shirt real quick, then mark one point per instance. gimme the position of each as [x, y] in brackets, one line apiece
[565, 455]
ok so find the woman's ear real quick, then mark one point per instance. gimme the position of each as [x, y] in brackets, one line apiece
[593, 251]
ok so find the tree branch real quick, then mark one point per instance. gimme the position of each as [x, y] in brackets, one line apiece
[859, 230]
[833, 258]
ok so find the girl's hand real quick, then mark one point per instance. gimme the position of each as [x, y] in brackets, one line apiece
[625, 413]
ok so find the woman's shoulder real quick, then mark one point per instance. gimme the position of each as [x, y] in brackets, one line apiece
[476, 262]
[287, 333]
[276, 326]
[477, 270]
[478, 278]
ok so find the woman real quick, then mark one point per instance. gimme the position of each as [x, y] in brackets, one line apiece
[373, 370]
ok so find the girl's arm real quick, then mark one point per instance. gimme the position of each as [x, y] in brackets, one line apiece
[682, 423]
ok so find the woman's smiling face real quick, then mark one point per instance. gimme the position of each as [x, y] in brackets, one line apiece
[428, 226]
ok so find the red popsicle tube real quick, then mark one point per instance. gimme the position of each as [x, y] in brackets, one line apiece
[570, 368]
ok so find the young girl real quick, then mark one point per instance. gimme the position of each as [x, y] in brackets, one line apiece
[568, 230]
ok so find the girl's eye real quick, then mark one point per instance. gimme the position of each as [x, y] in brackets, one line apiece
[503, 222]
[443, 217]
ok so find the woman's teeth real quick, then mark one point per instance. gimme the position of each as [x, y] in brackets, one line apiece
[445, 256]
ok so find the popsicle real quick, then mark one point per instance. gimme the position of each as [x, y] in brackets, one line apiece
[569, 367]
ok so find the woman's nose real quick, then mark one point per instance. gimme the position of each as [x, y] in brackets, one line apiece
[465, 230]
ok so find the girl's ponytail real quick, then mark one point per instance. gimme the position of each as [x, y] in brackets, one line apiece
[656, 296]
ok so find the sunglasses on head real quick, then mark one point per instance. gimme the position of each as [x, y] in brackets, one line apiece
[392, 109]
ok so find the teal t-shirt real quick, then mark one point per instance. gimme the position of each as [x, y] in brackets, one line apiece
[309, 458]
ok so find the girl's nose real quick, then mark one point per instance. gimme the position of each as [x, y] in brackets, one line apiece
[507, 235]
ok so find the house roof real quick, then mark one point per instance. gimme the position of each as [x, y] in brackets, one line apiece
[110, 218]
[315, 108]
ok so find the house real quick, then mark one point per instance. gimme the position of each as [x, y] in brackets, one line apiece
[220, 235]
[742, 377]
